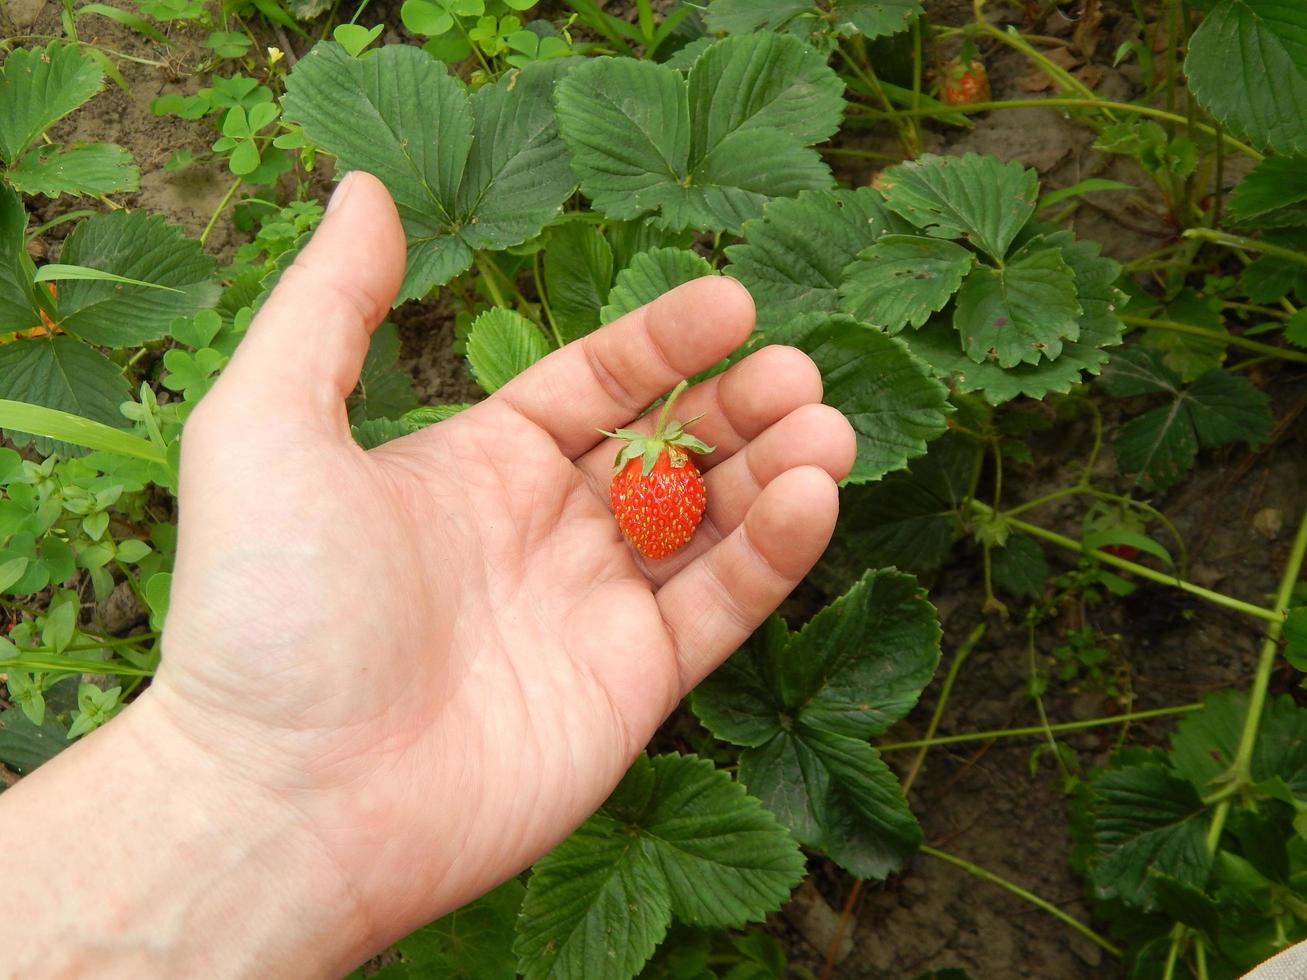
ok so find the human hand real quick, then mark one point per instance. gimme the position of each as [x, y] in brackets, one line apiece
[440, 656]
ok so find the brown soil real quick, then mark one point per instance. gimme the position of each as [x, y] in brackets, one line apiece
[979, 802]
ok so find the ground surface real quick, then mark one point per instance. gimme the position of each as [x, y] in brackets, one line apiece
[981, 801]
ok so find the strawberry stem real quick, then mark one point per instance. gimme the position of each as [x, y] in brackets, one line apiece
[667, 407]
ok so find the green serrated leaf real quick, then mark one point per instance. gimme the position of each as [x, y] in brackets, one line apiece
[1247, 66]
[578, 269]
[908, 520]
[1217, 409]
[473, 943]
[1295, 329]
[1295, 638]
[133, 245]
[38, 87]
[793, 258]
[1144, 818]
[502, 344]
[18, 307]
[90, 168]
[62, 373]
[467, 173]
[1100, 327]
[977, 198]
[804, 705]
[761, 82]
[1188, 355]
[1021, 313]
[1019, 567]
[1206, 742]
[903, 279]
[893, 403]
[25, 745]
[384, 389]
[651, 274]
[751, 16]
[677, 837]
[874, 18]
[707, 152]
[1274, 195]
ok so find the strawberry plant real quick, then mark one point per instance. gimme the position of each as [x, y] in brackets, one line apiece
[1035, 406]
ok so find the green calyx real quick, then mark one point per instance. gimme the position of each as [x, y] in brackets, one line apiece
[667, 433]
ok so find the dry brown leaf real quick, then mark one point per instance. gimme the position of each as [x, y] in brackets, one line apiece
[1086, 36]
[1036, 81]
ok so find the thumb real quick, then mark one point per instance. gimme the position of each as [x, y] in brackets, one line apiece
[305, 349]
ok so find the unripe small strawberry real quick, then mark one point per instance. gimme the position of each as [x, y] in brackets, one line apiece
[964, 83]
[658, 494]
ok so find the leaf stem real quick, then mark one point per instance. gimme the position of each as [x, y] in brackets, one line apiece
[1241, 770]
[222, 206]
[1143, 571]
[1012, 887]
[959, 658]
[1032, 730]
[492, 287]
[1280, 353]
[1251, 244]
[675, 393]
[544, 301]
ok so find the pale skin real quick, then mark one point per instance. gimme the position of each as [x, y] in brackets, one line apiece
[392, 679]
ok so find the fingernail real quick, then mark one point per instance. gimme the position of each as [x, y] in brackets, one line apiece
[340, 193]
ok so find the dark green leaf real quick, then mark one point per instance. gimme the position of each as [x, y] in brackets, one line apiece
[62, 373]
[138, 246]
[707, 152]
[1146, 818]
[38, 87]
[903, 279]
[1185, 903]
[89, 168]
[1187, 355]
[1216, 410]
[762, 82]
[472, 943]
[676, 837]
[874, 18]
[1099, 326]
[1247, 66]
[651, 274]
[1021, 313]
[1019, 567]
[18, 309]
[977, 198]
[794, 256]
[384, 390]
[1273, 195]
[804, 705]
[908, 520]
[750, 16]
[889, 397]
[484, 172]
[24, 746]
[578, 275]
[1295, 637]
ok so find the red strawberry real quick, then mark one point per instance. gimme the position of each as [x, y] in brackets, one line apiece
[658, 493]
[964, 83]
[1127, 551]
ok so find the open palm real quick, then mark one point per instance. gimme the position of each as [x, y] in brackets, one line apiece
[441, 652]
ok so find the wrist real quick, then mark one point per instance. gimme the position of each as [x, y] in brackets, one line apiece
[149, 858]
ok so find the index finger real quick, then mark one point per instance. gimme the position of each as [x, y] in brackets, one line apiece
[609, 377]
